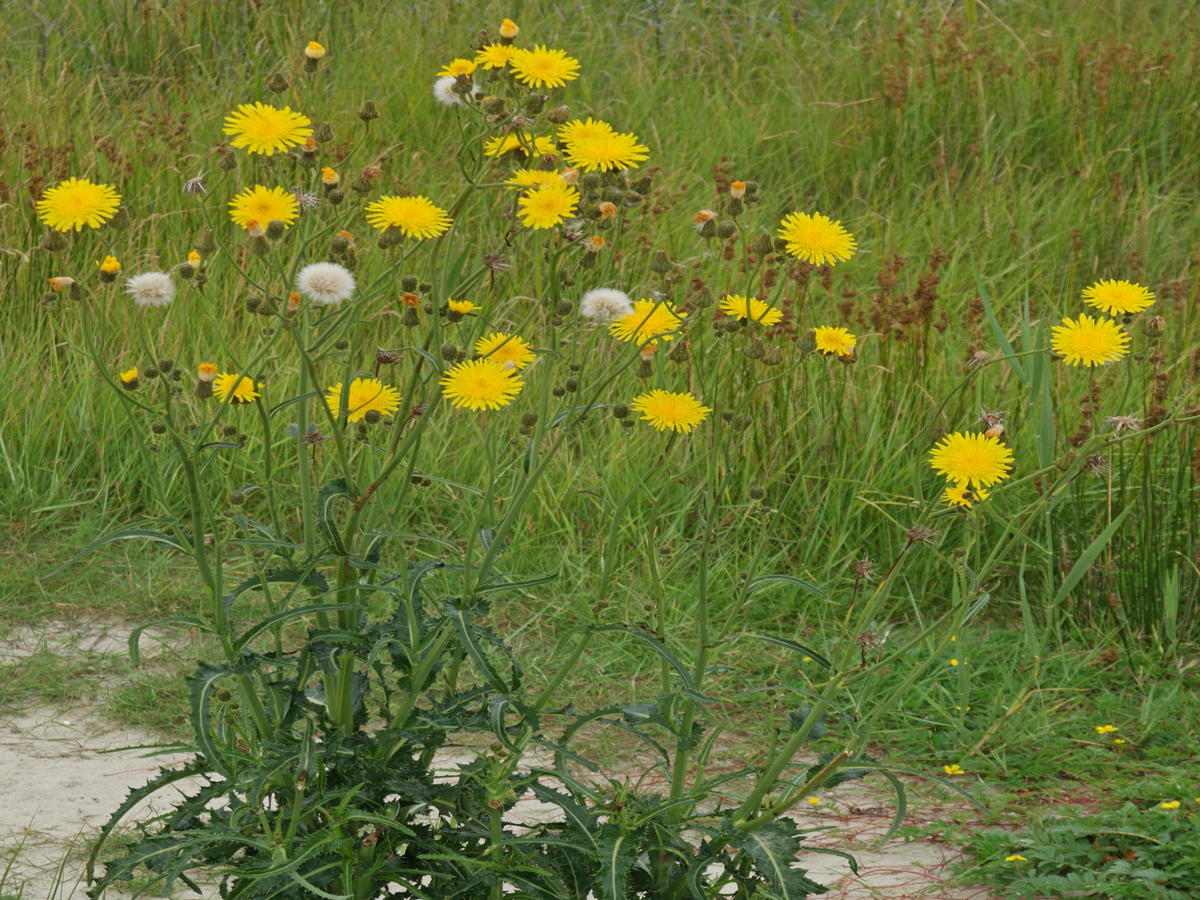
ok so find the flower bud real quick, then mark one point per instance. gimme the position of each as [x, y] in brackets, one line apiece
[755, 350]
[336, 197]
[165, 365]
[253, 302]
[1064, 462]
[535, 104]
[451, 353]
[529, 419]
[763, 245]
[275, 229]
[150, 372]
[751, 188]
[493, 106]
[564, 308]
[372, 417]
[424, 287]
[679, 352]
[158, 428]
[259, 245]
[390, 237]
[757, 493]
[368, 111]
[338, 245]
[55, 242]
[229, 430]
[559, 391]
[277, 84]
[726, 229]
[734, 207]
[342, 344]
[645, 368]
[226, 160]
[1154, 327]
[807, 342]
[660, 263]
[185, 271]
[572, 384]
[773, 356]
[410, 318]
[643, 185]
[509, 30]
[559, 115]
[408, 283]
[708, 228]
[525, 431]
[590, 181]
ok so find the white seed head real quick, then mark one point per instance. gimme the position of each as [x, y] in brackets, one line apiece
[325, 283]
[151, 289]
[605, 304]
[443, 90]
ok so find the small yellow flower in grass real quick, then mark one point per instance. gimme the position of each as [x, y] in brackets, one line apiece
[261, 206]
[206, 372]
[193, 259]
[110, 265]
[834, 340]
[740, 307]
[1118, 297]
[814, 801]
[462, 307]
[523, 178]
[649, 321]
[1016, 857]
[1105, 729]
[817, 239]
[509, 30]
[76, 202]
[953, 770]
[971, 460]
[264, 129]
[578, 130]
[230, 387]
[954, 662]
[663, 410]
[498, 146]
[129, 378]
[961, 495]
[548, 204]
[495, 56]
[330, 178]
[1089, 341]
[479, 384]
[456, 68]
[1169, 804]
[1121, 741]
[414, 216]
[607, 152]
[363, 396]
[505, 348]
[314, 51]
[543, 67]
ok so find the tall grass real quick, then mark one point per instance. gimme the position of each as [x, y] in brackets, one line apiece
[1038, 151]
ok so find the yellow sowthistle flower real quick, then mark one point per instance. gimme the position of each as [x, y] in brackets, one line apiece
[541, 67]
[1105, 729]
[495, 56]
[193, 258]
[817, 239]
[498, 146]
[961, 495]
[522, 178]
[314, 51]
[462, 307]
[260, 128]
[607, 152]
[456, 68]
[578, 130]
[230, 387]
[1118, 297]
[76, 202]
[664, 409]
[1089, 341]
[129, 378]
[548, 204]
[740, 307]
[954, 769]
[363, 396]
[479, 384]
[504, 349]
[971, 460]
[261, 205]
[509, 30]
[834, 340]
[413, 216]
[649, 321]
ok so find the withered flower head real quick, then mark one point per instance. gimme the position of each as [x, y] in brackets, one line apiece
[864, 569]
[386, 357]
[920, 534]
[1124, 423]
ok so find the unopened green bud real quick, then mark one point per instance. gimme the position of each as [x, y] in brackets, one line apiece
[525, 431]
[185, 271]
[564, 308]
[223, 695]
[253, 302]
[643, 185]
[709, 229]
[410, 318]
[727, 415]
[773, 356]
[335, 197]
[323, 133]
[679, 352]
[275, 229]
[165, 365]
[120, 220]
[408, 283]
[277, 83]
[660, 263]
[259, 246]
[342, 344]
[645, 368]
[390, 237]
[226, 160]
[621, 411]
[1064, 462]
[807, 342]
[158, 428]
[559, 391]
[338, 245]
[763, 245]
[150, 372]
[206, 242]
[372, 417]
[451, 352]
[424, 287]
[228, 430]
[55, 242]
[367, 111]
[627, 423]
[493, 106]
[590, 181]
[751, 188]
[535, 104]
[529, 418]
[572, 384]
[734, 207]
[757, 493]
[726, 229]
[755, 350]
[559, 115]
[236, 498]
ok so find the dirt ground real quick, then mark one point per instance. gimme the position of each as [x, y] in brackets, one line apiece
[63, 771]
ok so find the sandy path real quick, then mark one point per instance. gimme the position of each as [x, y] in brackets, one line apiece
[62, 772]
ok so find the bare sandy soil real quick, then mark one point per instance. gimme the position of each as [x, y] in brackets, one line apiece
[63, 771]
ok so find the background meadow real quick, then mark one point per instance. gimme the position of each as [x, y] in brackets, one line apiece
[990, 167]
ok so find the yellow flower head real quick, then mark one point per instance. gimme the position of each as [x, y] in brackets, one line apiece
[509, 30]
[663, 410]
[193, 259]
[414, 216]
[954, 662]
[542, 67]
[456, 68]
[649, 321]
[1118, 297]
[961, 495]
[1105, 729]
[522, 178]
[817, 239]
[363, 396]
[580, 130]
[607, 152]
[462, 307]
[953, 770]
[206, 372]
[266, 130]
[504, 349]
[1016, 857]
[740, 307]
[129, 378]
[330, 178]
[262, 206]
[478, 384]
[314, 51]
[110, 265]
[495, 56]
[1089, 341]
[548, 204]
[1169, 804]
[512, 141]
[235, 388]
[834, 340]
[77, 202]
[971, 460]
[61, 282]
[814, 801]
